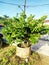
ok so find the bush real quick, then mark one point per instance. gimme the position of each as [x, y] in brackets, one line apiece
[23, 28]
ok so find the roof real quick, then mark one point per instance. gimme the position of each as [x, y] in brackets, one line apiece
[1, 25]
[46, 20]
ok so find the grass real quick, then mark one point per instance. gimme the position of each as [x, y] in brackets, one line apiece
[8, 57]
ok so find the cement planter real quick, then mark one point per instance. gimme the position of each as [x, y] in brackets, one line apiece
[23, 52]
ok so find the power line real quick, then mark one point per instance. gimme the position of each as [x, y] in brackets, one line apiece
[20, 8]
[23, 5]
[37, 5]
[10, 3]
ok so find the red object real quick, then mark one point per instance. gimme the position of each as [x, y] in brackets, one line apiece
[46, 20]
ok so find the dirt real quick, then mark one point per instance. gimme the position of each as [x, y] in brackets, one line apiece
[8, 57]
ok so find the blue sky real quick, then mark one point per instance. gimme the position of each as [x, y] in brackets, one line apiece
[10, 10]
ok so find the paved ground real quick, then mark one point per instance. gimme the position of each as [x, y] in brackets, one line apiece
[42, 47]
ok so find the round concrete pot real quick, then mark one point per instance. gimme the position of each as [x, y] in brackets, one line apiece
[23, 52]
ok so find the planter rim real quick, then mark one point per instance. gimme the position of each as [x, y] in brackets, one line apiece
[23, 47]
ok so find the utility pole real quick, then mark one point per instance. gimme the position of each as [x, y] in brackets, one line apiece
[24, 6]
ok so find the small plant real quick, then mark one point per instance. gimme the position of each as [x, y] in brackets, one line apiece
[5, 61]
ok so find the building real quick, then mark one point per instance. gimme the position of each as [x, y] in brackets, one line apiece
[46, 22]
